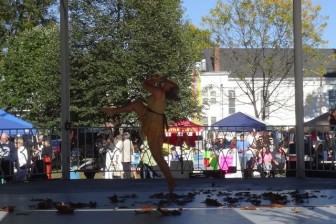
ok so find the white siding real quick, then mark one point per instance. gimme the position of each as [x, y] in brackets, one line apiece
[279, 116]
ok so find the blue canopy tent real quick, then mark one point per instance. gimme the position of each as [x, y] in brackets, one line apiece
[13, 125]
[239, 122]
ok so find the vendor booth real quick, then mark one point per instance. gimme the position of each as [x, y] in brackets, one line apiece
[239, 122]
[183, 132]
[227, 160]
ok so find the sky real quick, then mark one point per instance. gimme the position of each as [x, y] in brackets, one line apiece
[196, 9]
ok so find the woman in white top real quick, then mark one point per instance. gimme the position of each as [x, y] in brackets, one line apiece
[22, 166]
[113, 166]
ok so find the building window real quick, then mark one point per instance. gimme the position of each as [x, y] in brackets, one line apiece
[213, 120]
[205, 121]
[213, 96]
[213, 101]
[332, 98]
[205, 101]
[232, 102]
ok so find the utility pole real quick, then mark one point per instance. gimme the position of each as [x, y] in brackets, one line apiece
[65, 92]
[298, 68]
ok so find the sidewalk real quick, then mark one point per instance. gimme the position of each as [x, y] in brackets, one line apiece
[309, 200]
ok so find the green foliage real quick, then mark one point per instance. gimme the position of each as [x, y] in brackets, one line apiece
[115, 46]
[18, 16]
[25, 57]
[31, 80]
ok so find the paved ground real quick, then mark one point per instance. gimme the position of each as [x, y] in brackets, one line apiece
[197, 200]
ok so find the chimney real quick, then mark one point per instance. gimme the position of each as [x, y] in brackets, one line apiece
[216, 59]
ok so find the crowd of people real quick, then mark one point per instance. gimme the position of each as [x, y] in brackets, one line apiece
[123, 158]
[21, 160]
[127, 158]
[256, 153]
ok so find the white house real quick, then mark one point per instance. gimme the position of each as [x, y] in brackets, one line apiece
[223, 95]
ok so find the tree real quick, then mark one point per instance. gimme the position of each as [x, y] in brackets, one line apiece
[263, 31]
[18, 16]
[115, 45]
[31, 77]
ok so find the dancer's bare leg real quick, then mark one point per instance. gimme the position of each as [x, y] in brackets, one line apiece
[154, 142]
[135, 106]
[155, 146]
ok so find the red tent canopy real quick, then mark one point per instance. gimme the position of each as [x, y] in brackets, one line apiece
[183, 131]
[184, 126]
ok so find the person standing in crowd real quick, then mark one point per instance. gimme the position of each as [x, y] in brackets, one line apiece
[207, 144]
[37, 149]
[242, 147]
[135, 160]
[221, 144]
[47, 156]
[260, 144]
[23, 166]
[8, 158]
[279, 161]
[272, 148]
[271, 144]
[74, 150]
[332, 119]
[127, 153]
[226, 141]
[265, 162]
[215, 144]
[117, 156]
[109, 158]
[38, 164]
[174, 155]
[252, 139]
[233, 143]
[153, 119]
